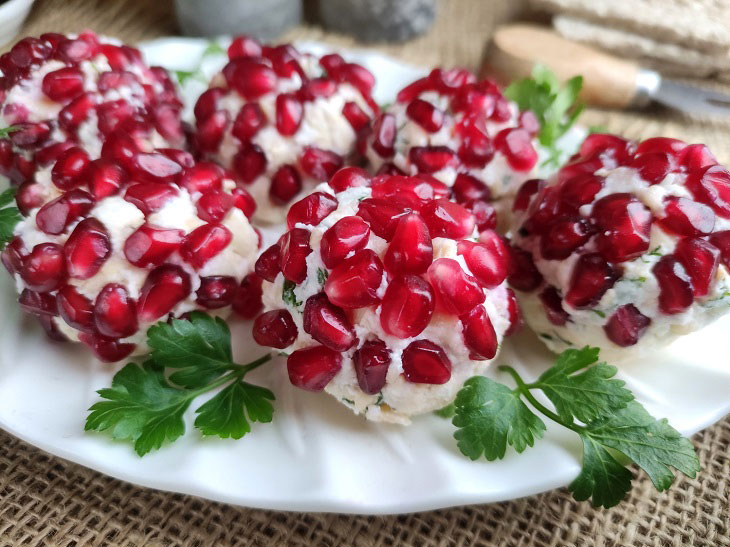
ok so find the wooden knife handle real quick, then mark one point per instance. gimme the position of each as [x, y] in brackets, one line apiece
[608, 81]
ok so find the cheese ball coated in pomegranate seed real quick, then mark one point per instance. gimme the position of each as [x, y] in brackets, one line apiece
[384, 294]
[463, 132]
[162, 239]
[626, 248]
[65, 91]
[283, 121]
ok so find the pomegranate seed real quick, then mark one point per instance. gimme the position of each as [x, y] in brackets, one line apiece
[164, 288]
[311, 210]
[115, 313]
[357, 76]
[430, 159]
[328, 324]
[63, 84]
[166, 119]
[479, 335]
[488, 260]
[31, 195]
[112, 114]
[476, 150]
[626, 326]
[12, 255]
[371, 363]
[202, 177]
[580, 167]
[355, 281]
[151, 245]
[675, 285]
[289, 114]
[284, 59]
[104, 178]
[249, 121]
[121, 148]
[204, 243]
[565, 236]
[448, 81]
[592, 276]
[75, 309]
[208, 102]
[653, 167]
[467, 187]
[349, 177]
[214, 205]
[211, 130]
[384, 130]
[108, 350]
[294, 251]
[56, 215]
[357, 117]
[687, 217]
[30, 135]
[150, 198]
[313, 368]
[721, 240]
[515, 314]
[86, 249]
[484, 213]
[250, 78]
[244, 46]
[332, 62]
[527, 191]
[447, 219]
[665, 145]
[551, 302]
[244, 201]
[51, 328]
[700, 260]
[426, 115]
[247, 301]
[268, 264]
[580, 189]
[529, 122]
[426, 363]
[624, 224]
[66, 173]
[410, 192]
[523, 276]
[600, 144]
[407, 306]
[285, 185]
[712, 187]
[115, 79]
[456, 291]
[38, 303]
[471, 99]
[410, 250]
[413, 90]
[43, 269]
[696, 157]
[216, 291]
[249, 163]
[382, 216]
[155, 167]
[75, 51]
[319, 164]
[75, 112]
[516, 145]
[29, 51]
[315, 88]
[347, 235]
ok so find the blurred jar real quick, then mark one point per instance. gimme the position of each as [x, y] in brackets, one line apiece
[378, 20]
[263, 19]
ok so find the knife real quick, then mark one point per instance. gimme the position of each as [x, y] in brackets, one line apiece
[608, 81]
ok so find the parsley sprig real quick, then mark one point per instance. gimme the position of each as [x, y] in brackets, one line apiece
[9, 216]
[587, 400]
[146, 406]
[556, 107]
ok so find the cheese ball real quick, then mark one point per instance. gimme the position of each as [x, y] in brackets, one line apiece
[384, 294]
[626, 248]
[283, 121]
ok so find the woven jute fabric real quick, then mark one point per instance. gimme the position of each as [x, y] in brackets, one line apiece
[47, 501]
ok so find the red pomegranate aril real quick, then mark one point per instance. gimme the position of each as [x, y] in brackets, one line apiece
[357, 117]
[115, 313]
[551, 303]
[687, 217]
[311, 210]
[579, 167]
[410, 192]
[75, 309]
[150, 197]
[516, 145]
[456, 291]
[410, 251]
[166, 120]
[448, 81]
[12, 255]
[104, 178]
[121, 148]
[204, 243]
[244, 46]
[149, 246]
[382, 215]
[211, 130]
[476, 149]
[430, 159]
[675, 285]
[526, 192]
[30, 135]
[244, 201]
[63, 84]
[328, 324]
[313, 368]
[349, 177]
[202, 177]
[426, 115]
[107, 350]
[115, 79]
[216, 291]
[358, 76]
[696, 157]
[354, 282]
[250, 78]
[268, 264]
[86, 249]
[285, 185]
[384, 130]
[248, 122]
[665, 145]
[599, 144]
[565, 236]
[112, 114]
[75, 112]
[315, 88]
[164, 288]
[29, 51]
[447, 219]
[484, 213]
[407, 306]
[38, 303]
[30, 195]
[208, 102]
[371, 364]
[592, 276]
[77, 50]
[319, 164]
[712, 187]
[426, 363]
[624, 224]
[653, 167]
[700, 260]
[721, 240]
[626, 326]
[66, 173]
[247, 301]
[294, 251]
[487, 260]
[515, 314]
[523, 276]
[347, 235]
[44, 269]
[214, 205]
[50, 154]
[155, 167]
[289, 114]
[479, 335]
[580, 189]
[468, 187]
[413, 90]
[249, 163]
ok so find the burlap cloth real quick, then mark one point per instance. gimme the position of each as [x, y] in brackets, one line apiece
[48, 501]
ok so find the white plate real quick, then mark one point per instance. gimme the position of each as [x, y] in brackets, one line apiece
[316, 455]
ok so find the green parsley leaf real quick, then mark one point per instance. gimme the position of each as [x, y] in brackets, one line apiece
[288, 296]
[489, 416]
[214, 48]
[322, 275]
[9, 217]
[446, 412]
[5, 131]
[601, 477]
[225, 414]
[185, 75]
[142, 407]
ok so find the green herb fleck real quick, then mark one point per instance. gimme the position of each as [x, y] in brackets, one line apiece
[5, 131]
[348, 401]
[185, 75]
[447, 412]
[322, 275]
[213, 48]
[9, 216]
[599, 313]
[288, 295]
[597, 129]
[656, 251]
